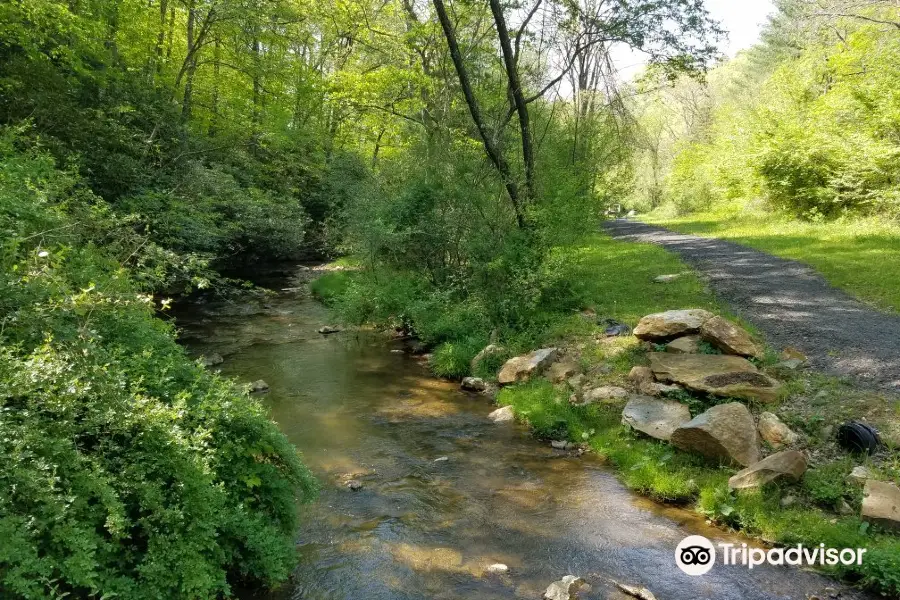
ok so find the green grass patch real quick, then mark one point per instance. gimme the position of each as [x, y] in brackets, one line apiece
[860, 256]
[330, 286]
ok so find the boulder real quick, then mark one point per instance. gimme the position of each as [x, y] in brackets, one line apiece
[640, 375]
[474, 384]
[497, 569]
[211, 360]
[654, 417]
[729, 338]
[776, 433]
[689, 344]
[881, 504]
[670, 324]
[327, 329]
[562, 370]
[259, 386]
[522, 368]
[503, 415]
[730, 376]
[789, 464]
[859, 475]
[605, 394]
[726, 431]
[486, 352]
[564, 589]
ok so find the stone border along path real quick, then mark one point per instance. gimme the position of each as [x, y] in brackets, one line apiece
[789, 302]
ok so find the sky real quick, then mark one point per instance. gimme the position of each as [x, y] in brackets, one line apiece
[742, 19]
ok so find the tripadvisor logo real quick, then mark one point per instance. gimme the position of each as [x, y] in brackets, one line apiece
[696, 555]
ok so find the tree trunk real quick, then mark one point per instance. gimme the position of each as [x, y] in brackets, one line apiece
[515, 89]
[161, 34]
[217, 57]
[493, 152]
[190, 65]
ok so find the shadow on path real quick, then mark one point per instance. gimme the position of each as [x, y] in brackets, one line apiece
[790, 303]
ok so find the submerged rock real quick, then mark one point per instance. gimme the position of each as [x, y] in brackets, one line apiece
[638, 591]
[503, 415]
[654, 417]
[790, 465]
[564, 589]
[776, 433]
[670, 324]
[474, 384]
[211, 360]
[259, 386]
[729, 376]
[522, 368]
[729, 338]
[497, 569]
[726, 431]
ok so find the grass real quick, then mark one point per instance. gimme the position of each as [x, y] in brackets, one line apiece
[328, 287]
[860, 256]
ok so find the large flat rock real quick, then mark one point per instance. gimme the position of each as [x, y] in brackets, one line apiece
[724, 432]
[655, 417]
[881, 504]
[720, 375]
[672, 323]
[729, 338]
[789, 465]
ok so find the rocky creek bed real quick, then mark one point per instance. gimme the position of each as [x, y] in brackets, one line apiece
[424, 496]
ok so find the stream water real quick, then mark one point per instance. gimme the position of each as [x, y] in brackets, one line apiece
[445, 492]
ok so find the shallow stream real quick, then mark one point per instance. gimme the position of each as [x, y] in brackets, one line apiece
[445, 492]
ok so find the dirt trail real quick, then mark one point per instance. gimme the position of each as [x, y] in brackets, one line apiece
[790, 303]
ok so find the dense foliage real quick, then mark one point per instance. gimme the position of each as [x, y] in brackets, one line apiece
[806, 122]
[128, 470]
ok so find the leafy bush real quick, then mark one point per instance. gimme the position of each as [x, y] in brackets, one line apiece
[130, 471]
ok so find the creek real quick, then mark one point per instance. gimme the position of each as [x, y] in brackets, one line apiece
[445, 492]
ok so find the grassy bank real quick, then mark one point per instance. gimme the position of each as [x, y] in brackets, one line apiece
[615, 280]
[860, 256]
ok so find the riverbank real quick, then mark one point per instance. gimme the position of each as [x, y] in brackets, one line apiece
[617, 279]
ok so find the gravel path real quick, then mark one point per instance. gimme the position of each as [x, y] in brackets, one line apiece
[790, 303]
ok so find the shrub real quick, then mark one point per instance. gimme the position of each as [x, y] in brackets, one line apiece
[129, 471]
